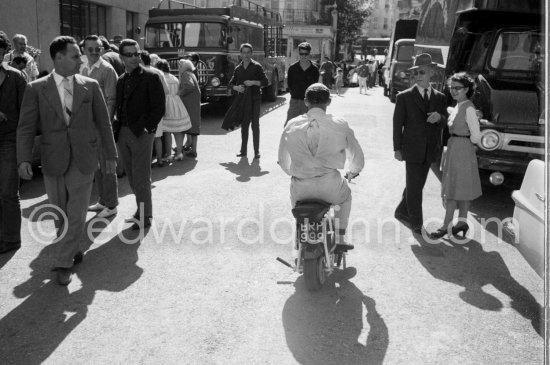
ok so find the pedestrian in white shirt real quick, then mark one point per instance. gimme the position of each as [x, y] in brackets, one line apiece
[20, 50]
[313, 148]
[100, 70]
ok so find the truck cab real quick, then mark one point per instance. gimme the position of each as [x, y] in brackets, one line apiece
[398, 70]
[505, 56]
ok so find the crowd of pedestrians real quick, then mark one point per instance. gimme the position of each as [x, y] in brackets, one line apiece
[102, 105]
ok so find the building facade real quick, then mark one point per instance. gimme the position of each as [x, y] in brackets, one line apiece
[382, 19]
[43, 20]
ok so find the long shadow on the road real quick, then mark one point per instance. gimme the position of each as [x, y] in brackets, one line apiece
[469, 266]
[245, 170]
[32, 331]
[327, 327]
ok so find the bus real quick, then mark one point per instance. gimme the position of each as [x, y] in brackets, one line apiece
[215, 34]
[366, 46]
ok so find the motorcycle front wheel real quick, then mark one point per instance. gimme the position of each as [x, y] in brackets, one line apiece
[314, 273]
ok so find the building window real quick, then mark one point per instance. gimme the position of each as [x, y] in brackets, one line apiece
[79, 18]
[131, 24]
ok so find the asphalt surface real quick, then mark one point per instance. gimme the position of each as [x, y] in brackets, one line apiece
[203, 286]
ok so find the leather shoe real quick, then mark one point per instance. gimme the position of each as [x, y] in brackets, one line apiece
[78, 257]
[257, 156]
[139, 226]
[9, 246]
[343, 247]
[63, 275]
[241, 154]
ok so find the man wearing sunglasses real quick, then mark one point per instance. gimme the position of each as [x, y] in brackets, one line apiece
[301, 75]
[140, 105]
[420, 112]
[102, 71]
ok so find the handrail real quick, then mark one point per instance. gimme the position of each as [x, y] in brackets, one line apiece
[182, 3]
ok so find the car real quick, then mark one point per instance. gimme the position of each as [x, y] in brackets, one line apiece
[529, 217]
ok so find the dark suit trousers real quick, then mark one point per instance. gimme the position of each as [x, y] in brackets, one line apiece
[255, 121]
[411, 202]
[70, 193]
[136, 154]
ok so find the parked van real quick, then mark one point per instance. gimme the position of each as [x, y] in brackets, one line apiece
[398, 73]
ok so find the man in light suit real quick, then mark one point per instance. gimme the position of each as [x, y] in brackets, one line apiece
[420, 113]
[71, 112]
[101, 71]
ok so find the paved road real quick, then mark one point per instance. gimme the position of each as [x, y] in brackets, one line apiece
[203, 286]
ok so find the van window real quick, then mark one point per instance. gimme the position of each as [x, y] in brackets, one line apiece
[405, 52]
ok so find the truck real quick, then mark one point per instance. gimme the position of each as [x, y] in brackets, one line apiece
[215, 35]
[499, 43]
[399, 58]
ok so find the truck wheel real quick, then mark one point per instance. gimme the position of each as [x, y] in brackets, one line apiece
[314, 273]
[273, 90]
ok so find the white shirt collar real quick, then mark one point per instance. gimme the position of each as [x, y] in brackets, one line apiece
[95, 65]
[421, 89]
[59, 79]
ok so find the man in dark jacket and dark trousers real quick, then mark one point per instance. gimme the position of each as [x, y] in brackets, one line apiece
[301, 75]
[419, 115]
[12, 88]
[139, 109]
[249, 78]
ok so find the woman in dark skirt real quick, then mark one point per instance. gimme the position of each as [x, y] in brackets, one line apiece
[461, 183]
[190, 94]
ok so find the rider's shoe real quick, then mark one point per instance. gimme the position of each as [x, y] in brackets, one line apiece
[343, 247]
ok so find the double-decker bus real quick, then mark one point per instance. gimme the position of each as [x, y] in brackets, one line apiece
[216, 34]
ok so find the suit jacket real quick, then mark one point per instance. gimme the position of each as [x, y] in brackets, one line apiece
[42, 110]
[417, 139]
[146, 102]
[11, 97]
[254, 72]
[107, 78]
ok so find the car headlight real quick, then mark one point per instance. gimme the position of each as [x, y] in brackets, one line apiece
[215, 82]
[402, 75]
[490, 140]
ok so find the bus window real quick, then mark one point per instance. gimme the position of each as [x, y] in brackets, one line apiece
[204, 35]
[163, 35]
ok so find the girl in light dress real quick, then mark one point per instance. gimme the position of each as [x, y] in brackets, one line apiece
[339, 80]
[176, 118]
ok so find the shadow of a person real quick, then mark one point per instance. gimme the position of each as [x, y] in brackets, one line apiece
[328, 327]
[34, 329]
[244, 170]
[469, 266]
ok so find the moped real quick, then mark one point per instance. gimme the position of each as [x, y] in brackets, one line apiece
[316, 242]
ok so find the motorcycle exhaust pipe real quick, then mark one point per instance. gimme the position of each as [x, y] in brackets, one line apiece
[285, 263]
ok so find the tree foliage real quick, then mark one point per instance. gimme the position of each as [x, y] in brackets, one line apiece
[351, 16]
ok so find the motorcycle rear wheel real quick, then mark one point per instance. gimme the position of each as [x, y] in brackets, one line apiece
[314, 273]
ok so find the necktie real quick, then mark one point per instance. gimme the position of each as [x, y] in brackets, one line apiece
[426, 99]
[67, 99]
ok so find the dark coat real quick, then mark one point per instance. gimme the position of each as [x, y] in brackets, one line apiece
[417, 139]
[12, 90]
[238, 111]
[146, 103]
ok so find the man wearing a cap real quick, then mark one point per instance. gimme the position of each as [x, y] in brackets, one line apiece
[420, 112]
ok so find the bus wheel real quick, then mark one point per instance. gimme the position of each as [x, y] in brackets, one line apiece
[273, 90]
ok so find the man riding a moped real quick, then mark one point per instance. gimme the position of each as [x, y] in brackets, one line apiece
[313, 147]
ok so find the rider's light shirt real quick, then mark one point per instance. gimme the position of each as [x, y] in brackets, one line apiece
[316, 143]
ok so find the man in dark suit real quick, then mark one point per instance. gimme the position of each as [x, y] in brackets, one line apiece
[249, 78]
[71, 112]
[12, 88]
[140, 105]
[420, 112]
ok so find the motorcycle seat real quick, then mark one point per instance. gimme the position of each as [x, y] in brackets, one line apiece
[314, 210]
